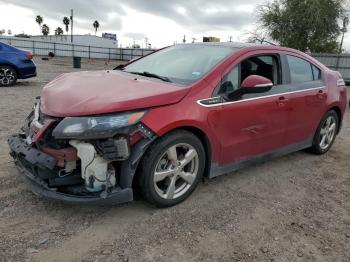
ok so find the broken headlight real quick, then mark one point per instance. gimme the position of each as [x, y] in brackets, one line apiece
[92, 127]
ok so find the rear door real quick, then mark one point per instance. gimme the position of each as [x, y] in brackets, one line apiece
[308, 96]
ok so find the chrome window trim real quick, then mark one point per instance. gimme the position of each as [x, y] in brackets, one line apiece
[255, 98]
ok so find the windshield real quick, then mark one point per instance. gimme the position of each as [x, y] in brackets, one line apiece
[182, 64]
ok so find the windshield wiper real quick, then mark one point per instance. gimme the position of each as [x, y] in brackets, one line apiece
[148, 74]
[119, 67]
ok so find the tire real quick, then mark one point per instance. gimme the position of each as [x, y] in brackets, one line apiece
[326, 130]
[163, 169]
[8, 76]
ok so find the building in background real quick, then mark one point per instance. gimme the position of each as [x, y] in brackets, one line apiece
[85, 40]
[210, 39]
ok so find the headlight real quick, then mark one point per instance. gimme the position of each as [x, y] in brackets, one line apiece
[91, 127]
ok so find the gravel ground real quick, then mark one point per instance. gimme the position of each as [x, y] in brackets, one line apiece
[294, 208]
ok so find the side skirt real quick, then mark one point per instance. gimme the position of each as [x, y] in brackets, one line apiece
[217, 170]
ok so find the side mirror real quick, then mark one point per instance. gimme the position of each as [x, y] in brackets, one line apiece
[252, 84]
[256, 84]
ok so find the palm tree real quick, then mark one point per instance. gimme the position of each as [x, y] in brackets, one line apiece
[96, 25]
[66, 23]
[45, 29]
[39, 19]
[58, 31]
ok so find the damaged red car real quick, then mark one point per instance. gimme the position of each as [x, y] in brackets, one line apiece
[159, 124]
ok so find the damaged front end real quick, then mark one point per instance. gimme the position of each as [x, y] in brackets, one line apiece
[89, 159]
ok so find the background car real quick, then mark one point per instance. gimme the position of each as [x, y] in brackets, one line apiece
[15, 64]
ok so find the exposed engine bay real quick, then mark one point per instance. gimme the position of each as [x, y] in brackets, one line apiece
[92, 157]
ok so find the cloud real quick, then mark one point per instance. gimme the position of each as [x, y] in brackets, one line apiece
[194, 14]
[85, 11]
[135, 36]
[197, 14]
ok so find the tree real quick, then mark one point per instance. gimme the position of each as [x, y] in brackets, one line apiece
[96, 25]
[307, 25]
[45, 29]
[66, 23]
[58, 31]
[39, 19]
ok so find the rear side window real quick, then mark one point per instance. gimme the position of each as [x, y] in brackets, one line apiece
[316, 72]
[300, 70]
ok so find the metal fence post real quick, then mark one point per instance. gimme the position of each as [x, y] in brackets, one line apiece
[89, 53]
[109, 53]
[54, 48]
[142, 51]
[121, 54]
[34, 47]
[72, 50]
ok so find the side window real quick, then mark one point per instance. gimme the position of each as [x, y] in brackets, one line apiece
[264, 65]
[230, 82]
[300, 70]
[316, 72]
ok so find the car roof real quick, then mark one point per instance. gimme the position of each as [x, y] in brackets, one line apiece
[239, 45]
[10, 48]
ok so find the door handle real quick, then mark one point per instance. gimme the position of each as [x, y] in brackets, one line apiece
[281, 101]
[320, 94]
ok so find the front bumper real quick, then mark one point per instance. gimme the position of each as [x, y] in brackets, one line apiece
[31, 161]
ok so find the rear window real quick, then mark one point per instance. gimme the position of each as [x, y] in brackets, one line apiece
[300, 70]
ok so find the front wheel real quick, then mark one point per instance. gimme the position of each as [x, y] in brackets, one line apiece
[172, 168]
[8, 76]
[326, 133]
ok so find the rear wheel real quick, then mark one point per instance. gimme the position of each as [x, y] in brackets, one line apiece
[8, 76]
[326, 133]
[172, 168]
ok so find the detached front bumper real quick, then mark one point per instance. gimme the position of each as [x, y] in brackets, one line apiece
[32, 163]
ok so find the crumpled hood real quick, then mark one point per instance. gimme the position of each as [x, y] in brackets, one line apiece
[99, 92]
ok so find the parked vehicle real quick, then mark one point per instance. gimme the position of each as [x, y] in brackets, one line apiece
[161, 123]
[15, 64]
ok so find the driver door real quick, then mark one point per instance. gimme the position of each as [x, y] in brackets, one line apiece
[255, 124]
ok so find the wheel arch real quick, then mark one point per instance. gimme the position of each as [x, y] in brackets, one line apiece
[339, 113]
[12, 66]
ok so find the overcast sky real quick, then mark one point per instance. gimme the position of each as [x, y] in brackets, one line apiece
[162, 21]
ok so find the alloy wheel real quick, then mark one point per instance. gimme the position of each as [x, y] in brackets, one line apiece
[176, 171]
[7, 76]
[327, 132]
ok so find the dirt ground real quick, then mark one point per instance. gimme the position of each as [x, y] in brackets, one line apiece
[294, 208]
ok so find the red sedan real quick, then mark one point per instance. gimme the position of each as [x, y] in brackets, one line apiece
[162, 122]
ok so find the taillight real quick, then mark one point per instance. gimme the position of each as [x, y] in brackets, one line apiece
[29, 56]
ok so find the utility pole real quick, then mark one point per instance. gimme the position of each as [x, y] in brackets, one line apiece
[71, 25]
[343, 30]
